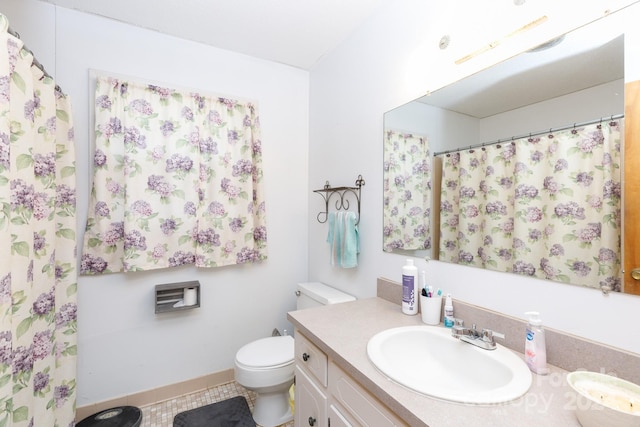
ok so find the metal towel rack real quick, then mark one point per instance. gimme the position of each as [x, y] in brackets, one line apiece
[342, 202]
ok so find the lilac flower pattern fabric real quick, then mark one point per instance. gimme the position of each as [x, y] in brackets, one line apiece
[177, 181]
[547, 207]
[407, 191]
[38, 278]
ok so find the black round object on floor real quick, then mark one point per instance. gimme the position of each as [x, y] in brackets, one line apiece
[122, 416]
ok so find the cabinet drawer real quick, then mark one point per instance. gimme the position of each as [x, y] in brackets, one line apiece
[311, 358]
[360, 404]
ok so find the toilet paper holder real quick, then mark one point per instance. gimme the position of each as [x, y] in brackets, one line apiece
[177, 296]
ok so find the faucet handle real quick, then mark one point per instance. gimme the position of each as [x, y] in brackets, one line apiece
[488, 335]
[458, 327]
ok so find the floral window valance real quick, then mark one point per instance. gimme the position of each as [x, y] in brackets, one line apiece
[177, 180]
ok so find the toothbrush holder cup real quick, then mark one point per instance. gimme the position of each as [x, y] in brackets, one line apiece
[431, 309]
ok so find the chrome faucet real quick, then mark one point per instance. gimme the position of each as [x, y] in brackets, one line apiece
[484, 339]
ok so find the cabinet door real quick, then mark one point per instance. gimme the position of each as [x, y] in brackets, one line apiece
[357, 403]
[310, 402]
[337, 419]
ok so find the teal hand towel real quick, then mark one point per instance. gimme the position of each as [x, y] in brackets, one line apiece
[351, 241]
[343, 239]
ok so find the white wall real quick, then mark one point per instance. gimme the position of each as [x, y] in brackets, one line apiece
[123, 347]
[444, 128]
[389, 61]
[600, 101]
[449, 130]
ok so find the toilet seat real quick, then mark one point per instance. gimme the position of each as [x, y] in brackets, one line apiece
[266, 353]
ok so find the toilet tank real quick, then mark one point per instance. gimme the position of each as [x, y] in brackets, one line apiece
[315, 294]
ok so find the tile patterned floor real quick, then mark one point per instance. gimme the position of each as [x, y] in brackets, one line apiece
[161, 414]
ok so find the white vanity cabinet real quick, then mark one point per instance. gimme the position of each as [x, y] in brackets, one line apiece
[328, 396]
[311, 384]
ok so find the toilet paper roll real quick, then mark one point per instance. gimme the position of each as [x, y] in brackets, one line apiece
[190, 296]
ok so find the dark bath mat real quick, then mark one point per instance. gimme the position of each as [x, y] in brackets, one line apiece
[232, 412]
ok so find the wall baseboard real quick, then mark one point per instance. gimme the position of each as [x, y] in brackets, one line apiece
[158, 394]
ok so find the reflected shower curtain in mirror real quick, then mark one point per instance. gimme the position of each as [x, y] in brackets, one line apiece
[177, 180]
[545, 207]
[407, 190]
[38, 263]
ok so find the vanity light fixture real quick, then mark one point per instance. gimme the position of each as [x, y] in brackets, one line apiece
[547, 45]
[497, 42]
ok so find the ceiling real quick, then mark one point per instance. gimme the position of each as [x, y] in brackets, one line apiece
[293, 32]
[589, 56]
[300, 32]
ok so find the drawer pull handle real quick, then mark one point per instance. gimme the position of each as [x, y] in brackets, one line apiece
[312, 421]
[306, 357]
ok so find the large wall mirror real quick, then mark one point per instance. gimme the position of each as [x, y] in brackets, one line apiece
[571, 82]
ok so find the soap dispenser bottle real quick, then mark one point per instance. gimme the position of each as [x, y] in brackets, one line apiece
[535, 349]
[410, 288]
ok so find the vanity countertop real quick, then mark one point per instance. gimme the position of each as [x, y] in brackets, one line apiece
[342, 331]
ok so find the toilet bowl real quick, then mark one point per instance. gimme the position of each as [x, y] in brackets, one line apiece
[266, 366]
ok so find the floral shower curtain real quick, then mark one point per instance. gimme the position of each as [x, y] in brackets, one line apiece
[546, 207]
[407, 190]
[177, 180]
[37, 228]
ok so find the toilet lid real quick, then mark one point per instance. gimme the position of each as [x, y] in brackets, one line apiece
[267, 352]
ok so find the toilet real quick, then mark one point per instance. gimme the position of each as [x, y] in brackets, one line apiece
[266, 366]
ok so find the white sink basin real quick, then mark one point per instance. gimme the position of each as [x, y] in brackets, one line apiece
[429, 360]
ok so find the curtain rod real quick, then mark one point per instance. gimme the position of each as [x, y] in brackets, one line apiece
[34, 61]
[575, 125]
